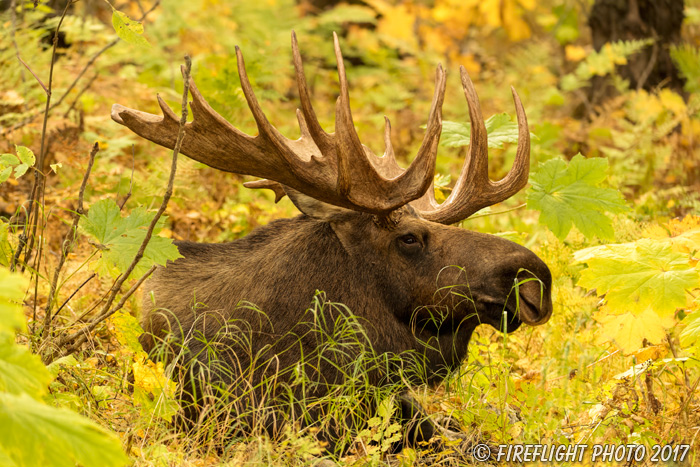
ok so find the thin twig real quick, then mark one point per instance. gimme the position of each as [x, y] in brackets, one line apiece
[92, 276]
[38, 186]
[13, 29]
[78, 337]
[41, 83]
[131, 183]
[90, 62]
[82, 91]
[68, 241]
[82, 335]
[650, 66]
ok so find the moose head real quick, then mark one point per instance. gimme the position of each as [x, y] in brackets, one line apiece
[371, 236]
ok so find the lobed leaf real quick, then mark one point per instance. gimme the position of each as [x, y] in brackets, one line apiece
[640, 275]
[20, 370]
[568, 195]
[121, 237]
[32, 433]
[499, 127]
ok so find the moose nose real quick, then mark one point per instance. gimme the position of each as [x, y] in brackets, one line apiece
[535, 298]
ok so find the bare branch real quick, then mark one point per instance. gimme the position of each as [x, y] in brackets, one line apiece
[77, 338]
[131, 183]
[68, 242]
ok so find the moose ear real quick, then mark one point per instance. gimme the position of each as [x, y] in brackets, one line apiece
[314, 208]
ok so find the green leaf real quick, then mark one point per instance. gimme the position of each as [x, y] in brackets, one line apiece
[5, 246]
[9, 159]
[128, 331]
[687, 59]
[568, 195]
[691, 333]
[499, 127]
[121, 238]
[128, 30]
[25, 155]
[32, 433]
[640, 275]
[12, 287]
[5, 174]
[55, 167]
[21, 170]
[55, 367]
[20, 370]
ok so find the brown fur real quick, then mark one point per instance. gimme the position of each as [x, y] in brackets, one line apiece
[423, 299]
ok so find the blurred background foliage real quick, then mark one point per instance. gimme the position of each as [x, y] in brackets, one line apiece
[580, 95]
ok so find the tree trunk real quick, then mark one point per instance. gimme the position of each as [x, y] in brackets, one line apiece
[616, 20]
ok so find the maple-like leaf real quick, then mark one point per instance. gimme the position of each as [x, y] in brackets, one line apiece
[499, 127]
[628, 330]
[120, 238]
[639, 275]
[568, 194]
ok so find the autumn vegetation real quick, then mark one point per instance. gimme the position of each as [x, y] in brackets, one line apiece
[612, 207]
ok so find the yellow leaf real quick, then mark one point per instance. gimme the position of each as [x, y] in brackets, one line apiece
[490, 12]
[575, 53]
[515, 27]
[644, 106]
[397, 22]
[653, 352]
[151, 377]
[628, 330]
[673, 102]
[683, 235]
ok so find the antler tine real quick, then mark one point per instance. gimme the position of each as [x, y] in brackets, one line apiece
[386, 165]
[517, 178]
[323, 140]
[473, 189]
[348, 143]
[333, 168]
[264, 126]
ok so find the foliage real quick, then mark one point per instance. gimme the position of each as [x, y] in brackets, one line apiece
[568, 195]
[20, 163]
[31, 432]
[625, 278]
[601, 63]
[499, 128]
[119, 238]
[687, 58]
[127, 29]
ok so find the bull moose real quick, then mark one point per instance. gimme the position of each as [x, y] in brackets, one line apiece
[248, 317]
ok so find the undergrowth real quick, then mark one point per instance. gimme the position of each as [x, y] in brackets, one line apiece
[617, 362]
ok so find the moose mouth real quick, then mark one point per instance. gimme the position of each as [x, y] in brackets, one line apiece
[529, 308]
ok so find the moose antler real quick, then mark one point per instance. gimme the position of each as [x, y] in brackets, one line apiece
[335, 168]
[474, 189]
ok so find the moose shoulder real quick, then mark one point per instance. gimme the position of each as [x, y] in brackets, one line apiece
[371, 236]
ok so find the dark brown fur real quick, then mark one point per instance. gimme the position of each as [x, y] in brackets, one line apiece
[421, 299]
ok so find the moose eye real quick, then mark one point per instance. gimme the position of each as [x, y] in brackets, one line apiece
[409, 239]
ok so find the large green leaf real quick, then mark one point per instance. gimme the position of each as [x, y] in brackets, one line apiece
[20, 370]
[35, 434]
[567, 195]
[12, 287]
[640, 275]
[121, 237]
[499, 127]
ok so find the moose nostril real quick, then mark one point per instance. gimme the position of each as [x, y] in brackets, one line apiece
[535, 301]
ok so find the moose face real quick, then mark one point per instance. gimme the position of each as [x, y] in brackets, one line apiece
[465, 277]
